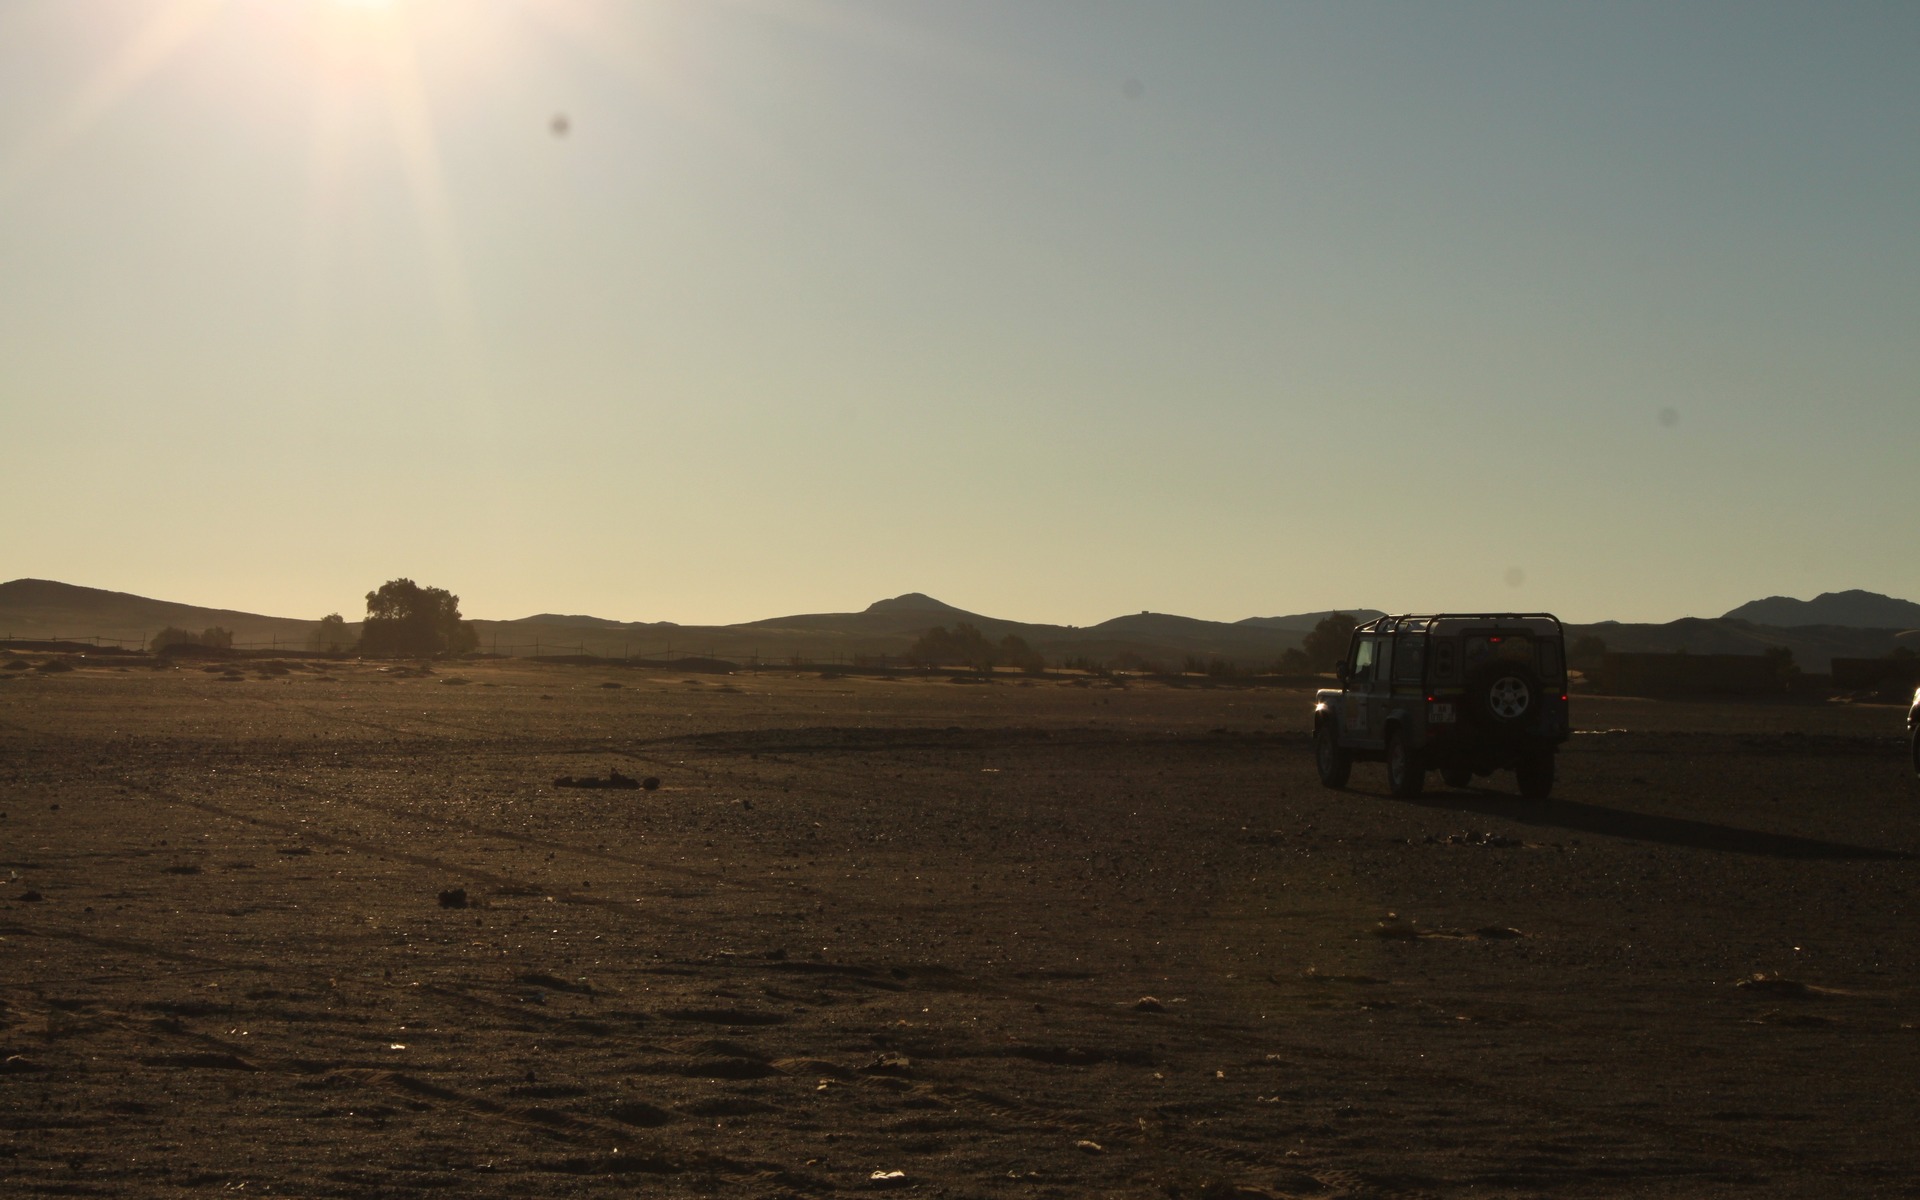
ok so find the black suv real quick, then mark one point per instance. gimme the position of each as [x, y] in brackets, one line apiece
[1466, 693]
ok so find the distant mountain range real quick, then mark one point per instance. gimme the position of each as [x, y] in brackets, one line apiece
[1856, 609]
[1850, 624]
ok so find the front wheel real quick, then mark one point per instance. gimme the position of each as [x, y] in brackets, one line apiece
[1335, 762]
[1535, 773]
[1405, 777]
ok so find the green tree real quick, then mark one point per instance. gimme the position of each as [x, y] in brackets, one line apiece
[405, 620]
[1327, 644]
[1016, 653]
[1784, 668]
[214, 636]
[172, 635]
[330, 636]
[963, 645]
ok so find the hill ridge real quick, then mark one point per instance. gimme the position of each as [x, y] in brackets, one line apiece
[1855, 609]
[39, 609]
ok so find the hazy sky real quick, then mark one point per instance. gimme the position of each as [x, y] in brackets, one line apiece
[1054, 310]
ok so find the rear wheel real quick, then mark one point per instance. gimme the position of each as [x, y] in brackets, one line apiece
[1405, 776]
[1456, 777]
[1536, 774]
[1334, 761]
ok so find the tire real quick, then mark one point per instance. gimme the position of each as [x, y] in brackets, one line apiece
[1535, 773]
[1405, 776]
[1916, 750]
[1334, 760]
[1503, 695]
[1456, 777]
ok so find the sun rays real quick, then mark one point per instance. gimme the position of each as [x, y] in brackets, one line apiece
[387, 86]
[352, 46]
[370, 45]
[169, 27]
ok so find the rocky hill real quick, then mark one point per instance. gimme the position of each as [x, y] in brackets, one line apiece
[1854, 609]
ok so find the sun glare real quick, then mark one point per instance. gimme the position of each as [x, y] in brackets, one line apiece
[381, 77]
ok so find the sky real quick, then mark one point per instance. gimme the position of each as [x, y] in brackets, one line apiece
[722, 310]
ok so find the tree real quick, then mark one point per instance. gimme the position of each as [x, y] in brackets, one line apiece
[1784, 668]
[172, 635]
[963, 645]
[330, 635]
[1293, 661]
[214, 637]
[1015, 652]
[407, 620]
[1587, 653]
[1327, 644]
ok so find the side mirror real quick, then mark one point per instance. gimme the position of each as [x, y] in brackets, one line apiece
[1340, 672]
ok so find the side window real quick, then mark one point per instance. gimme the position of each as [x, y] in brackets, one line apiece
[1409, 657]
[1552, 668]
[1446, 660]
[1366, 656]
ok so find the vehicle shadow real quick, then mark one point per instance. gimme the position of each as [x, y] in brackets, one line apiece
[1672, 831]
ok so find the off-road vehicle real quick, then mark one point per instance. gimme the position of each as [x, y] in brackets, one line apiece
[1467, 694]
[1913, 729]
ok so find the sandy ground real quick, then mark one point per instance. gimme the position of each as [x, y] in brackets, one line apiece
[1005, 940]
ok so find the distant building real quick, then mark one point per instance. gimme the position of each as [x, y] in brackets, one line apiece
[1690, 675]
[1876, 674]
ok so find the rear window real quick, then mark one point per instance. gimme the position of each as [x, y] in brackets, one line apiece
[1543, 655]
[1507, 647]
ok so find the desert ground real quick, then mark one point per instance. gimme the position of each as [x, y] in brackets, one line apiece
[1024, 938]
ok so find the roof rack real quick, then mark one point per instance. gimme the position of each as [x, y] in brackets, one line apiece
[1387, 624]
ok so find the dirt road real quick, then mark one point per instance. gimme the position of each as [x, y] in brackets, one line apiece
[1006, 940]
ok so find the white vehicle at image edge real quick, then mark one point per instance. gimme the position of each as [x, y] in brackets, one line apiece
[1466, 694]
[1913, 730]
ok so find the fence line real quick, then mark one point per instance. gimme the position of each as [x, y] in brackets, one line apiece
[535, 649]
[751, 660]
